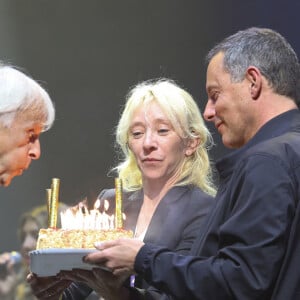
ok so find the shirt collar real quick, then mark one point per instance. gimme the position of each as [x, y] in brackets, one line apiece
[275, 127]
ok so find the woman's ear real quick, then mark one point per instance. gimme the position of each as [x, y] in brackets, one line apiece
[255, 81]
[192, 146]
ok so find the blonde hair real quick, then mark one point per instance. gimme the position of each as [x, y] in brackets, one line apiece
[185, 117]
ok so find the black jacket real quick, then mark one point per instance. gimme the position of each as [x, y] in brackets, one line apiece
[250, 247]
[176, 222]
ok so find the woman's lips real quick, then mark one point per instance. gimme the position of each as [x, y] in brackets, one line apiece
[151, 160]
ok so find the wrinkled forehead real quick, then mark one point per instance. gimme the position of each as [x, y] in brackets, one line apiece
[32, 116]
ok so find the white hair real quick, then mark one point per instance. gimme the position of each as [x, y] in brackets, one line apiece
[20, 93]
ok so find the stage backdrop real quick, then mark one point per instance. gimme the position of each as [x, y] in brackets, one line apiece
[88, 54]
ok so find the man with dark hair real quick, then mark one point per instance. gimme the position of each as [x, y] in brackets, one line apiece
[249, 247]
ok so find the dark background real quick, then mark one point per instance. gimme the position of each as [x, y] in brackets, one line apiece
[88, 54]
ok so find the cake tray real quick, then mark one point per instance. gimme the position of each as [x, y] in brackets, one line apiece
[49, 262]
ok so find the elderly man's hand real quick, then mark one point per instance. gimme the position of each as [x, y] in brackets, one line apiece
[104, 283]
[47, 288]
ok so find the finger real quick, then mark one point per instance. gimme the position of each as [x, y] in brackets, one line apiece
[31, 278]
[98, 258]
[121, 272]
[68, 276]
[77, 275]
[106, 244]
[101, 272]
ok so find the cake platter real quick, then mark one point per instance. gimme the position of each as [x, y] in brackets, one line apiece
[49, 262]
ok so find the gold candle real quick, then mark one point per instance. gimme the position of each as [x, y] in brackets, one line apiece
[118, 212]
[54, 203]
[48, 199]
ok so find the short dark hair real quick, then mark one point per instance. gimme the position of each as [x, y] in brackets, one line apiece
[265, 49]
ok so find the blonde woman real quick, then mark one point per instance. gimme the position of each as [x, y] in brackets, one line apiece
[166, 174]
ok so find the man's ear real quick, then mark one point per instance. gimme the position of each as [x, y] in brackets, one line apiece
[192, 146]
[255, 81]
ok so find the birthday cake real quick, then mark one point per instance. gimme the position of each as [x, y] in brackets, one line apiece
[63, 248]
[78, 238]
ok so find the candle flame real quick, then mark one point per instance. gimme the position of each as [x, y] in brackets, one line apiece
[106, 205]
[80, 217]
[97, 204]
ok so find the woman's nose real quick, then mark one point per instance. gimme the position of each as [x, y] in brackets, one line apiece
[149, 140]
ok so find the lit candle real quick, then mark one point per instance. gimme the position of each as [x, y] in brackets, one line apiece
[105, 221]
[111, 221]
[94, 214]
[118, 211]
[82, 213]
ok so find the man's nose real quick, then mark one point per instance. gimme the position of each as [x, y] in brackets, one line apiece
[35, 149]
[209, 111]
